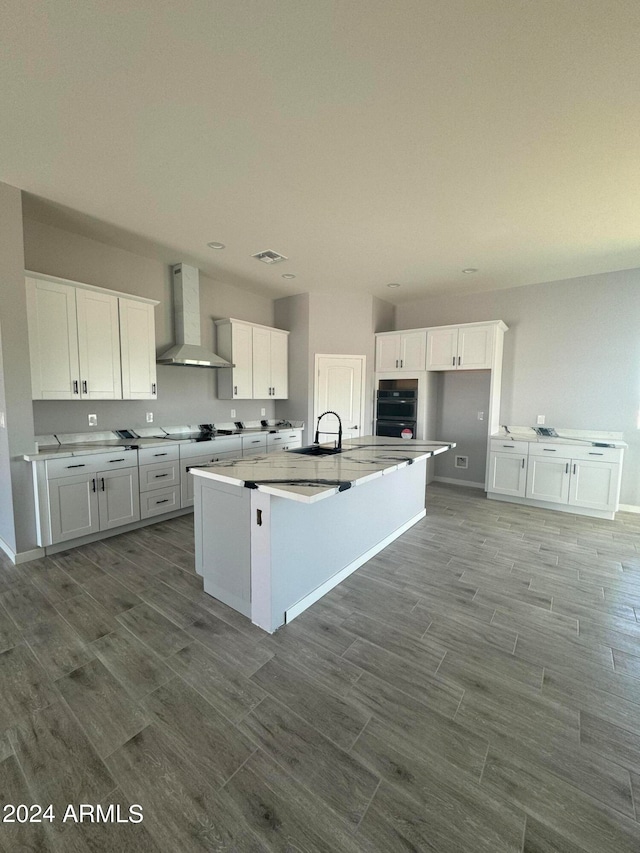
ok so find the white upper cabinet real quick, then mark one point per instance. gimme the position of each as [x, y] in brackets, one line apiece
[98, 345]
[401, 351]
[442, 349]
[467, 347]
[87, 343]
[279, 354]
[260, 356]
[53, 340]
[138, 350]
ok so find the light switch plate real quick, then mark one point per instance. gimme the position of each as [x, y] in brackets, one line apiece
[149, 417]
[93, 420]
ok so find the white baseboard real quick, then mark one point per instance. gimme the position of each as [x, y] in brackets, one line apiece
[21, 556]
[629, 508]
[452, 481]
[300, 606]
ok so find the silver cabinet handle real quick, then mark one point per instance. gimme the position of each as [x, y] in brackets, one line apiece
[93, 484]
[102, 481]
[549, 449]
[153, 387]
[523, 461]
[159, 454]
[459, 361]
[574, 467]
[85, 387]
[592, 453]
[396, 362]
[116, 460]
[165, 501]
[76, 466]
[509, 446]
[454, 361]
[401, 362]
[235, 389]
[159, 476]
[76, 389]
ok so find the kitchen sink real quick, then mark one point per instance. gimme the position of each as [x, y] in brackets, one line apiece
[316, 450]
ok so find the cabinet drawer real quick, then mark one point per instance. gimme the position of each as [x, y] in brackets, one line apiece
[279, 439]
[149, 455]
[91, 463]
[215, 446]
[161, 475]
[501, 445]
[597, 454]
[254, 444]
[550, 450]
[159, 501]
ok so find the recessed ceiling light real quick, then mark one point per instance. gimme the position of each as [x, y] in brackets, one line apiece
[469, 270]
[393, 284]
[288, 275]
[216, 245]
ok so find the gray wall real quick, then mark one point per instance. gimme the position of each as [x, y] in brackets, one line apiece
[572, 353]
[330, 323]
[185, 395]
[292, 313]
[16, 491]
[461, 395]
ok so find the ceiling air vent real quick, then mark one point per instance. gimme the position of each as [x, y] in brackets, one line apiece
[269, 257]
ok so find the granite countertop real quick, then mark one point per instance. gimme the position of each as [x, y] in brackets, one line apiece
[57, 451]
[292, 475]
[565, 436]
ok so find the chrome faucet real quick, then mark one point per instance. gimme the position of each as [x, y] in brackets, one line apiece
[316, 440]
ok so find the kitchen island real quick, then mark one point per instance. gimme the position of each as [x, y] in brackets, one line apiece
[275, 533]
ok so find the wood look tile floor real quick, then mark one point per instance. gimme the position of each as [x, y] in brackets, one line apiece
[474, 687]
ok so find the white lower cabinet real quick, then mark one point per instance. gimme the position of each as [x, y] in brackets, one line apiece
[284, 440]
[580, 478]
[508, 474]
[186, 485]
[254, 445]
[83, 498]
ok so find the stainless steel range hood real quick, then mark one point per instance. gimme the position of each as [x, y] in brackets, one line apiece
[187, 352]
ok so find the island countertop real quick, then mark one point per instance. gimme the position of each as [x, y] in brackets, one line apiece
[293, 475]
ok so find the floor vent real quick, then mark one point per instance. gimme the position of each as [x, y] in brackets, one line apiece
[462, 462]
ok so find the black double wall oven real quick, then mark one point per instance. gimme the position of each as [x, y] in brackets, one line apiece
[396, 409]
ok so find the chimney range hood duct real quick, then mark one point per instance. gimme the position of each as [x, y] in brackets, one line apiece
[187, 351]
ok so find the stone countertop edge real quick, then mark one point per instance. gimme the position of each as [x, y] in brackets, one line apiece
[575, 441]
[321, 491]
[66, 450]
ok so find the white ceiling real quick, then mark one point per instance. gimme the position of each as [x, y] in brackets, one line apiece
[370, 141]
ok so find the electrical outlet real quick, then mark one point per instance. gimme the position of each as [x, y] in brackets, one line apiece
[93, 420]
[263, 412]
[233, 413]
[149, 417]
[461, 462]
[540, 419]
[480, 416]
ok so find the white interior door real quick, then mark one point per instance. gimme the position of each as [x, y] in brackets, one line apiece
[340, 386]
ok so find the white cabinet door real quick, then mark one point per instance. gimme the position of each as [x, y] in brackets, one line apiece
[242, 357]
[442, 349]
[475, 347]
[594, 484]
[98, 345]
[507, 474]
[73, 507]
[412, 350]
[138, 349]
[186, 482]
[118, 497]
[279, 365]
[387, 352]
[53, 340]
[261, 364]
[548, 479]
